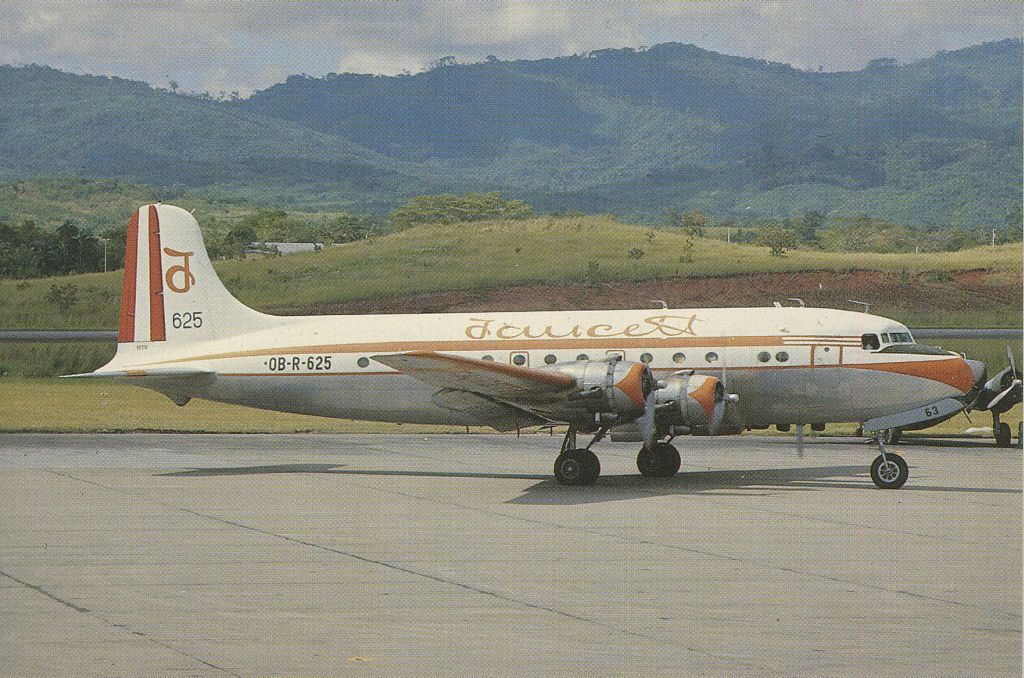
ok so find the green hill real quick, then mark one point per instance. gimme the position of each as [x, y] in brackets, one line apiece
[59, 124]
[588, 253]
[935, 142]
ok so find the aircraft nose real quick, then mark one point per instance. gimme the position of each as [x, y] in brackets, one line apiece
[958, 374]
[978, 370]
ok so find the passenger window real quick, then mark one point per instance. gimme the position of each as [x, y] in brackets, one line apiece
[646, 358]
[869, 342]
[519, 359]
[679, 358]
[764, 356]
[550, 359]
[582, 356]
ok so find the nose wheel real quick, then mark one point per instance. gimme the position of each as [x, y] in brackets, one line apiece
[661, 461]
[888, 471]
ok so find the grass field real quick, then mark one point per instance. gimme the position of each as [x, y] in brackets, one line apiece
[60, 405]
[64, 405]
[488, 255]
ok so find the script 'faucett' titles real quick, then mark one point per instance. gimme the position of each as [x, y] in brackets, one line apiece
[659, 325]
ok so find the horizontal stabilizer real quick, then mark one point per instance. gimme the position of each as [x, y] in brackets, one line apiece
[180, 385]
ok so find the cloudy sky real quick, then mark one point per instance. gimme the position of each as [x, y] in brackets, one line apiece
[225, 46]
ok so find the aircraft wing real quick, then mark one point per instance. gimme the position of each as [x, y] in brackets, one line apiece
[507, 383]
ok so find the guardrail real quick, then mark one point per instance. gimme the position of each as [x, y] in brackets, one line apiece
[65, 336]
[58, 336]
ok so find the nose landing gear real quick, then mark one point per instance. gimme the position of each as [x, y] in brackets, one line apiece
[889, 471]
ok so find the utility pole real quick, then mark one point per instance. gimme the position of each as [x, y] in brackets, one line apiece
[104, 240]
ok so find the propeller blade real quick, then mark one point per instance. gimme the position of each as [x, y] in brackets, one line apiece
[1009, 359]
[647, 427]
[1016, 383]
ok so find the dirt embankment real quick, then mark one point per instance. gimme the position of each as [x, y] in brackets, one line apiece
[987, 293]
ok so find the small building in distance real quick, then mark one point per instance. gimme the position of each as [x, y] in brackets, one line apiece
[258, 249]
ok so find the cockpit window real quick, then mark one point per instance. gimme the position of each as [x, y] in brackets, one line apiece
[885, 337]
[869, 342]
[902, 338]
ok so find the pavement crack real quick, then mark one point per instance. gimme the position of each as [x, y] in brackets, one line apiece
[111, 623]
[687, 549]
[426, 575]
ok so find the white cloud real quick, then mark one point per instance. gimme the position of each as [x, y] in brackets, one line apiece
[250, 45]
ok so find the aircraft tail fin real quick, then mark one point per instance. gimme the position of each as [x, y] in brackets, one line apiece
[171, 292]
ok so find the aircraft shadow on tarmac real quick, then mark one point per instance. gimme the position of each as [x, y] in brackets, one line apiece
[756, 482]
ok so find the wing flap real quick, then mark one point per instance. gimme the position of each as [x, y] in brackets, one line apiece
[489, 412]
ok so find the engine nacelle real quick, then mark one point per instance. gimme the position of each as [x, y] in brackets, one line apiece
[607, 392]
[698, 403]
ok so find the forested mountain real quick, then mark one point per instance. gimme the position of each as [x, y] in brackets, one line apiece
[627, 131]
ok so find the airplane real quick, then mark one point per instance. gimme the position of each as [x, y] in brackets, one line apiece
[654, 374]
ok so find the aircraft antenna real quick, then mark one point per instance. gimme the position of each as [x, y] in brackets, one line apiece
[865, 305]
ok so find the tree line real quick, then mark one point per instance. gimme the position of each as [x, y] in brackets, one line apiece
[28, 251]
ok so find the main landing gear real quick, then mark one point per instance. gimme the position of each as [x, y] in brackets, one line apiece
[577, 466]
[661, 461]
[580, 466]
[888, 471]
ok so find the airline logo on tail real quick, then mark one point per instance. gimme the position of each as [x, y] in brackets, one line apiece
[188, 279]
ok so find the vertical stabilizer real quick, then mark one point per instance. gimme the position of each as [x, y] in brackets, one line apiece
[171, 293]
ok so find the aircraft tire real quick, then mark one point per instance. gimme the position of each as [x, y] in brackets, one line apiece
[577, 467]
[661, 462]
[1003, 435]
[645, 463]
[668, 460]
[890, 473]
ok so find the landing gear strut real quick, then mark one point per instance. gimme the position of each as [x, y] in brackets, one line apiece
[578, 466]
[1002, 431]
[888, 471]
[661, 461]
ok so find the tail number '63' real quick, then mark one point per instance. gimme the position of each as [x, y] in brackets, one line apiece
[187, 321]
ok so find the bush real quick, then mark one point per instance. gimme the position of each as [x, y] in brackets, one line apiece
[450, 209]
[777, 239]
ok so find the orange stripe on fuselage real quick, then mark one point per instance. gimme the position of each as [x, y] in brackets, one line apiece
[490, 345]
[126, 327]
[954, 372]
[157, 329]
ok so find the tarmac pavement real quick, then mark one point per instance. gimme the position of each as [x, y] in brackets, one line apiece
[159, 554]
